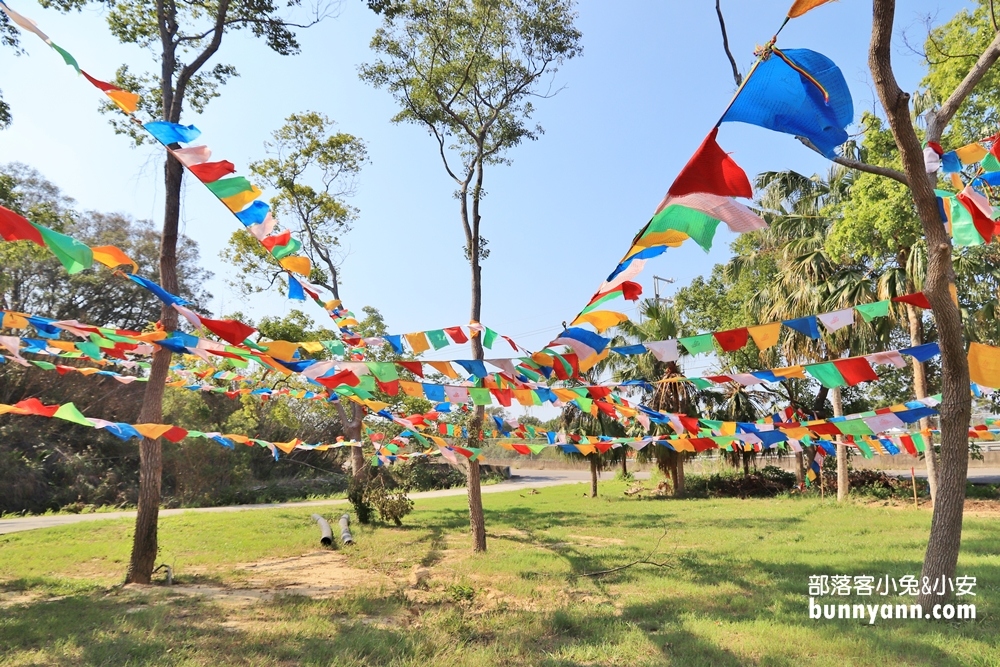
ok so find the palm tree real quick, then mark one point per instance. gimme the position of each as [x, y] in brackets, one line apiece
[658, 322]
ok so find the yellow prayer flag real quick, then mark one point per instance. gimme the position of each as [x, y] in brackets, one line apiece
[800, 7]
[586, 450]
[765, 336]
[796, 432]
[152, 431]
[411, 388]
[565, 395]
[418, 342]
[524, 397]
[113, 257]
[287, 447]
[984, 365]
[593, 360]
[12, 320]
[297, 264]
[443, 367]
[971, 153]
[682, 445]
[332, 303]
[790, 372]
[126, 101]
[238, 202]
[312, 346]
[956, 181]
[374, 405]
[601, 319]
[280, 349]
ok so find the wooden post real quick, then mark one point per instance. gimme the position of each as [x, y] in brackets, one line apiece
[913, 479]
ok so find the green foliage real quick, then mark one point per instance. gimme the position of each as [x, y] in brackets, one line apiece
[951, 50]
[467, 71]
[33, 280]
[313, 169]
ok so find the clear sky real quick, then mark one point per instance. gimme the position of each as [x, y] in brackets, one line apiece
[652, 80]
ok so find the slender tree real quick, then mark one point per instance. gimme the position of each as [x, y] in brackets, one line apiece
[466, 71]
[955, 410]
[183, 38]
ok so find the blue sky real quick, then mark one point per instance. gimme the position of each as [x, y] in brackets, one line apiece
[652, 80]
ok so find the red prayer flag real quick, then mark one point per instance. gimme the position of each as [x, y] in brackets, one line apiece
[503, 396]
[457, 335]
[711, 170]
[343, 377]
[856, 370]
[15, 228]
[606, 408]
[918, 299]
[412, 366]
[908, 445]
[732, 340]
[175, 434]
[631, 291]
[691, 424]
[597, 393]
[228, 330]
[826, 428]
[984, 225]
[391, 388]
[208, 172]
[270, 242]
[32, 406]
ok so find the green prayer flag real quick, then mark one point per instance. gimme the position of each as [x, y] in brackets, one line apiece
[44, 365]
[918, 441]
[530, 374]
[535, 398]
[228, 187]
[698, 344]
[333, 346]
[67, 58]
[990, 163]
[480, 396]
[584, 403]
[537, 449]
[866, 451]
[102, 343]
[489, 335]
[69, 413]
[89, 349]
[869, 311]
[963, 230]
[384, 371]
[697, 225]
[700, 383]
[73, 255]
[856, 427]
[292, 247]
[827, 374]
[367, 384]
[437, 338]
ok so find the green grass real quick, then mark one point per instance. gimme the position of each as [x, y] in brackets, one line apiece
[735, 592]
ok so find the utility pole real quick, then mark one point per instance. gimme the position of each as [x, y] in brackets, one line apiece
[656, 289]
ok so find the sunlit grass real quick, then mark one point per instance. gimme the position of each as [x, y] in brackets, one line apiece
[734, 592]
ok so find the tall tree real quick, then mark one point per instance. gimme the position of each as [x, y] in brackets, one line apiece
[467, 70]
[313, 168]
[9, 37]
[956, 407]
[182, 37]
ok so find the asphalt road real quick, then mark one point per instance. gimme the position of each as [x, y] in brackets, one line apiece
[524, 479]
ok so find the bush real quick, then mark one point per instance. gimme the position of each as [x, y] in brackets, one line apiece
[765, 483]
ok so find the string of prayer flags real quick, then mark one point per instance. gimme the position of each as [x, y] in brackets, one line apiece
[800, 7]
[798, 92]
[72, 254]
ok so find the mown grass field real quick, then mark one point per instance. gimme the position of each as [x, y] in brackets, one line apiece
[735, 591]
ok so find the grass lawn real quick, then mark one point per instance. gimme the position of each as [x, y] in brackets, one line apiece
[735, 591]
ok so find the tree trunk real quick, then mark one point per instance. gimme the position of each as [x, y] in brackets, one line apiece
[593, 475]
[956, 405]
[843, 481]
[624, 467]
[144, 543]
[916, 327]
[800, 463]
[477, 520]
[679, 483]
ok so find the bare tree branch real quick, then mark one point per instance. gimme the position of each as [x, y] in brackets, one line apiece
[936, 122]
[725, 45]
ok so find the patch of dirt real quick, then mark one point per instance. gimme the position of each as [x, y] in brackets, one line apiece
[318, 575]
[13, 598]
[988, 508]
[592, 541]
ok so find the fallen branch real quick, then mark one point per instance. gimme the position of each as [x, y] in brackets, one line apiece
[642, 561]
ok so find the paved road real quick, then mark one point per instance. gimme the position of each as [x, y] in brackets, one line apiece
[976, 475]
[523, 479]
